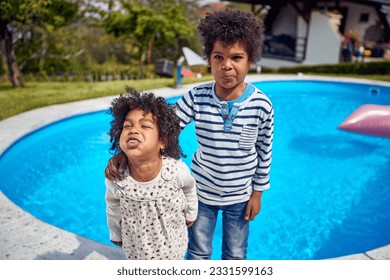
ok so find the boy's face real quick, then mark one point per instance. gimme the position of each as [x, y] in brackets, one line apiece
[139, 139]
[229, 65]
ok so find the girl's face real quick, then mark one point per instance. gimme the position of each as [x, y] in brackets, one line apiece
[229, 65]
[139, 139]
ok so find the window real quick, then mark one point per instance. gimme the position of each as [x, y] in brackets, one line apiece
[364, 17]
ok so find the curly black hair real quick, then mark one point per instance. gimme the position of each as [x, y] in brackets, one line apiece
[165, 114]
[230, 27]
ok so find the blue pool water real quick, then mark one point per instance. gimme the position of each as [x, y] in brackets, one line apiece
[330, 189]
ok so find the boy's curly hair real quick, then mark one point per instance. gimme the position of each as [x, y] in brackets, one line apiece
[230, 27]
[167, 121]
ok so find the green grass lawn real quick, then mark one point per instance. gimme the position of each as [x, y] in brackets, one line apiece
[38, 94]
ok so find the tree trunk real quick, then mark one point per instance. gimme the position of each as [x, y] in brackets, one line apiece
[150, 47]
[13, 68]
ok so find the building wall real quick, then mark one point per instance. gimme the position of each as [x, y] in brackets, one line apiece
[286, 22]
[276, 63]
[353, 18]
[324, 43]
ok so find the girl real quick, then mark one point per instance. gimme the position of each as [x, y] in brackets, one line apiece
[148, 211]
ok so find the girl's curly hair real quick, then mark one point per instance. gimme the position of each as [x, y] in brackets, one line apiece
[167, 121]
[230, 27]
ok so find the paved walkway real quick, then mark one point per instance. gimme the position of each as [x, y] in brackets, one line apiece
[24, 237]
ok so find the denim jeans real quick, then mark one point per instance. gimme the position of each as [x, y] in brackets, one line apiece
[235, 231]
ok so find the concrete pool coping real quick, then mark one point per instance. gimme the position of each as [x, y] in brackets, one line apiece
[24, 237]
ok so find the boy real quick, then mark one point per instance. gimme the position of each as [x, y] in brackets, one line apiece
[234, 128]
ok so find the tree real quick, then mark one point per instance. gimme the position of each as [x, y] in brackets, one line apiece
[45, 14]
[146, 27]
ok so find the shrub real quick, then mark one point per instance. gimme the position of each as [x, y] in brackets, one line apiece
[367, 68]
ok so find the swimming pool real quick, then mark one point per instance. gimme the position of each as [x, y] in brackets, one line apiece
[329, 188]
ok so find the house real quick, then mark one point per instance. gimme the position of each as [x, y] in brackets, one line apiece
[310, 32]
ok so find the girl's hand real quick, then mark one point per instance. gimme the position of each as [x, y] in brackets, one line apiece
[189, 223]
[117, 243]
[116, 167]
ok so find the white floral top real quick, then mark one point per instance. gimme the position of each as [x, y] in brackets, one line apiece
[150, 217]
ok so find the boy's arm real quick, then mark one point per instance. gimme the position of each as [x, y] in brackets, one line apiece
[185, 109]
[261, 180]
[113, 213]
[116, 167]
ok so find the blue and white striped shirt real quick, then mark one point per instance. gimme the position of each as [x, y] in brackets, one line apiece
[234, 148]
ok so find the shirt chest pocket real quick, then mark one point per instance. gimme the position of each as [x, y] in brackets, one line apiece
[248, 137]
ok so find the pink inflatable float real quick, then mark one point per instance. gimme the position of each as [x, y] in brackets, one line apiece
[369, 119]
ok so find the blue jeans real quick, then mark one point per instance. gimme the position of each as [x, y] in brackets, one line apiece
[235, 231]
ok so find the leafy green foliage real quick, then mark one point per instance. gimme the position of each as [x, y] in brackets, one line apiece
[146, 27]
[59, 36]
[32, 21]
[43, 13]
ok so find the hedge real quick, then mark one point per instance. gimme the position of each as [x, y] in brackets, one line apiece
[358, 68]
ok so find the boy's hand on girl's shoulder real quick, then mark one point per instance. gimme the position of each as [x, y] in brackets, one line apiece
[116, 167]
[254, 205]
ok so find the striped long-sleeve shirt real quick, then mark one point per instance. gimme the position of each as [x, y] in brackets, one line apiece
[234, 150]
